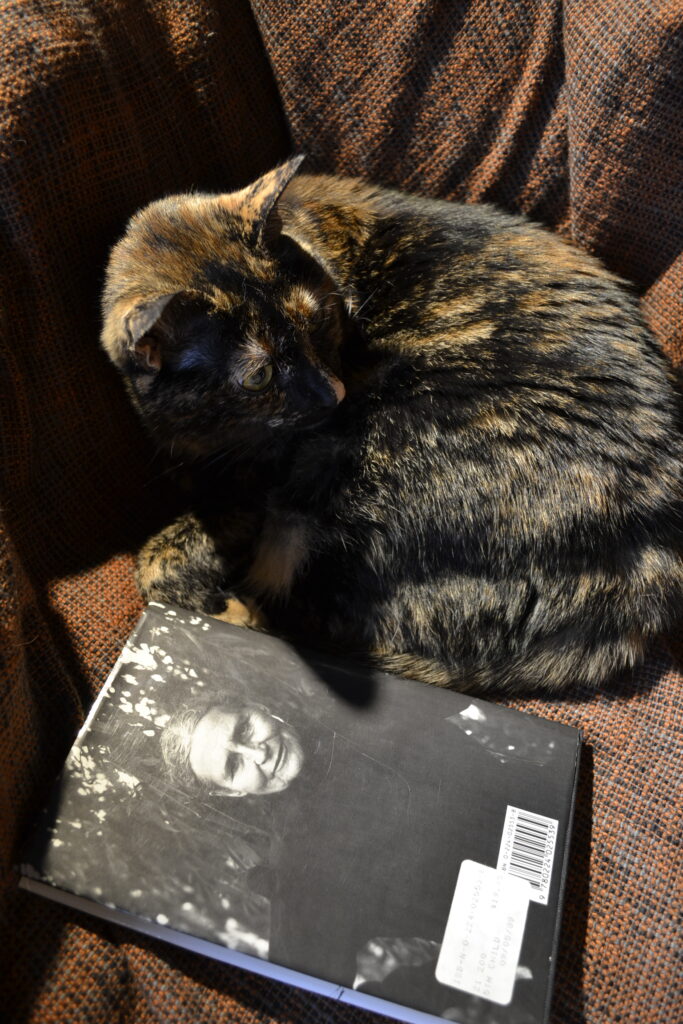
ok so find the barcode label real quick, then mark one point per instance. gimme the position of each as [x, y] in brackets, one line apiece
[527, 849]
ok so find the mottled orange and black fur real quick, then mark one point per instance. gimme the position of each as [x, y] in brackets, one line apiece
[432, 434]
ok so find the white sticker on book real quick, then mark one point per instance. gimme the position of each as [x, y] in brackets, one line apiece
[527, 849]
[483, 937]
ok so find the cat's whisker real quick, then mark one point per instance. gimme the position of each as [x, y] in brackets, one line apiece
[168, 471]
[365, 302]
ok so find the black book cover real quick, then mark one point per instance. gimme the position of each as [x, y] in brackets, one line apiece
[383, 842]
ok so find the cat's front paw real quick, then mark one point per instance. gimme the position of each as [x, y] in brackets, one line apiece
[242, 613]
[181, 565]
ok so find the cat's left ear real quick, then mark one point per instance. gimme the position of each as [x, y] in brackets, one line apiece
[257, 201]
[126, 327]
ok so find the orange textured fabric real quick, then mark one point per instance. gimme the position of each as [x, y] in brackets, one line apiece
[570, 111]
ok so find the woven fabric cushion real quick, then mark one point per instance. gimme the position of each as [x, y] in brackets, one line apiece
[569, 111]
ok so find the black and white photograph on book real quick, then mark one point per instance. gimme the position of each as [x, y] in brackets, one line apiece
[398, 841]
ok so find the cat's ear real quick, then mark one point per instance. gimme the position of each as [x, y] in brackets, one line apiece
[257, 202]
[126, 332]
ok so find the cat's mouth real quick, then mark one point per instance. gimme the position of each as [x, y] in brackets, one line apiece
[312, 420]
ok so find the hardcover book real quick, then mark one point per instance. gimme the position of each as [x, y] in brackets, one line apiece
[386, 843]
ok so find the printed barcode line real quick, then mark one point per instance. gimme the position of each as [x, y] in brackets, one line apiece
[529, 847]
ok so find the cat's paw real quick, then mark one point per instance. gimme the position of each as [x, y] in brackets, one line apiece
[242, 613]
[181, 565]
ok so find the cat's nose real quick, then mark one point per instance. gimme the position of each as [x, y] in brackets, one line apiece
[329, 391]
[325, 392]
[337, 387]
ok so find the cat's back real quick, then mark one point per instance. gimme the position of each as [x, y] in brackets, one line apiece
[416, 261]
[499, 307]
[517, 376]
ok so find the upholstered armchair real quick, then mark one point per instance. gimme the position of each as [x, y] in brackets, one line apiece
[569, 111]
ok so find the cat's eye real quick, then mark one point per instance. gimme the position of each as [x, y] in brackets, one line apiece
[259, 379]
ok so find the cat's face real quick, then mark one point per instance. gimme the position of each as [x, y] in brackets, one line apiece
[227, 332]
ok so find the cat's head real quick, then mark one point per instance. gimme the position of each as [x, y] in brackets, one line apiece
[226, 330]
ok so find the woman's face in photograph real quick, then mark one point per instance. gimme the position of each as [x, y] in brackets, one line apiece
[245, 752]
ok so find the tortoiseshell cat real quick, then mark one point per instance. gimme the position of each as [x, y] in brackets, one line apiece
[428, 433]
